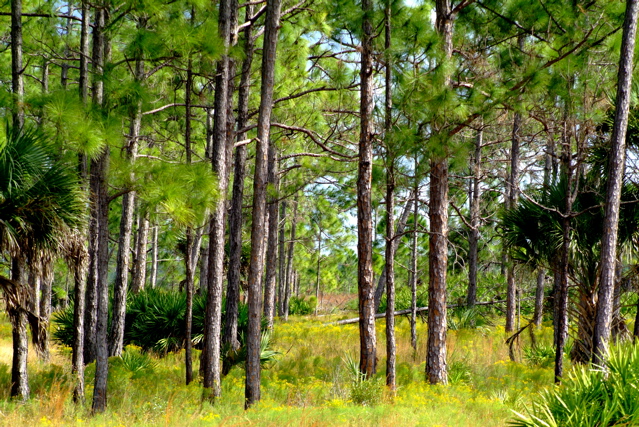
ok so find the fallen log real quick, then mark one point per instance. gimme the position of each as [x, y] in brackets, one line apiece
[408, 311]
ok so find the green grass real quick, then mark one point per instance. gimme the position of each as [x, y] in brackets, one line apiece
[309, 384]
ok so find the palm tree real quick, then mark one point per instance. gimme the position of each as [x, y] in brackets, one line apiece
[533, 232]
[40, 202]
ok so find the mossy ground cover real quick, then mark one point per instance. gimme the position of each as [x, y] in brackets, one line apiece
[310, 383]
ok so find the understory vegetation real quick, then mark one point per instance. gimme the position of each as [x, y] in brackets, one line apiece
[312, 381]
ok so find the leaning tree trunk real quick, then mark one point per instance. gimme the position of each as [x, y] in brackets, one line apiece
[253, 374]
[365, 286]
[399, 229]
[615, 182]
[436, 370]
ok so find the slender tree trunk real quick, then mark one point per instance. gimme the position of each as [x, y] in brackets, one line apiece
[116, 340]
[614, 185]
[399, 229]
[17, 83]
[154, 257]
[281, 267]
[99, 171]
[511, 293]
[562, 301]
[436, 370]
[390, 282]
[413, 273]
[18, 318]
[139, 265]
[365, 286]
[212, 330]
[539, 298]
[78, 261]
[473, 234]
[46, 285]
[271, 249]
[289, 262]
[189, 306]
[229, 337]
[318, 270]
[253, 374]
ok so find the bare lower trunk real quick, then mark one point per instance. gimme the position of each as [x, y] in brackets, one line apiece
[365, 286]
[220, 150]
[253, 373]
[154, 258]
[139, 262]
[281, 263]
[188, 316]
[562, 302]
[46, 285]
[436, 369]
[271, 249]
[413, 273]
[473, 234]
[17, 83]
[390, 283]
[614, 185]
[399, 229]
[539, 298]
[18, 318]
[289, 263]
[78, 258]
[511, 298]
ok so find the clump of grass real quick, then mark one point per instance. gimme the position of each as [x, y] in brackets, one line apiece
[540, 355]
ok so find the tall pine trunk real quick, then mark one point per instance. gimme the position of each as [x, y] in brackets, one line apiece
[138, 281]
[473, 235]
[614, 185]
[17, 82]
[212, 329]
[253, 374]
[271, 249]
[436, 371]
[365, 286]
[116, 342]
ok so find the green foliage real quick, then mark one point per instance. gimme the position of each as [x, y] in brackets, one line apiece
[302, 305]
[362, 391]
[591, 397]
[467, 318]
[135, 361]
[540, 355]
[403, 299]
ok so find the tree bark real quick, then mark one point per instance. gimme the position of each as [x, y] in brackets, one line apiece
[212, 330]
[281, 264]
[473, 232]
[511, 291]
[116, 340]
[139, 261]
[78, 261]
[614, 185]
[271, 249]
[436, 370]
[154, 257]
[289, 262]
[399, 229]
[17, 83]
[365, 286]
[539, 298]
[46, 285]
[18, 318]
[413, 272]
[253, 374]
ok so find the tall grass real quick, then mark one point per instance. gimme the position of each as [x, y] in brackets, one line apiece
[310, 383]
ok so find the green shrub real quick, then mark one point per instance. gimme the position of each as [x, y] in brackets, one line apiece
[403, 299]
[467, 318]
[302, 305]
[591, 397]
[542, 356]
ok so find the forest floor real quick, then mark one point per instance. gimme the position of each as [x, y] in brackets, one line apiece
[310, 384]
